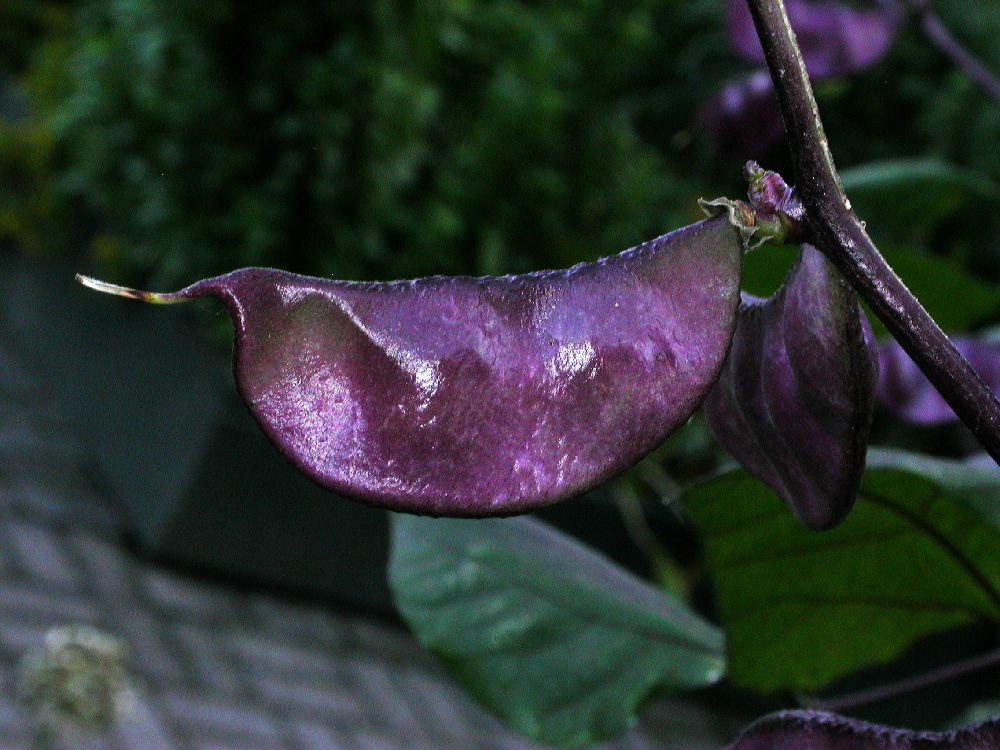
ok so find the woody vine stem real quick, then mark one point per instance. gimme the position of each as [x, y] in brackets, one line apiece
[832, 226]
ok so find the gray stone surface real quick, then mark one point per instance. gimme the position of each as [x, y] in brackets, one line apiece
[214, 666]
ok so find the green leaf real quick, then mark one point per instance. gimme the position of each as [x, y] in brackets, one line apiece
[765, 269]
[560, 642]
[911, 195]
[954, 298]
[977, 486]
[801, 608]
[905, 200]
[977, 713]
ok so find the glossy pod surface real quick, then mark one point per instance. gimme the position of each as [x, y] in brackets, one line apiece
[794, 402]
[483, 396]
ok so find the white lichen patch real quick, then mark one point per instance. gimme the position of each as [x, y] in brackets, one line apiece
[75, 683]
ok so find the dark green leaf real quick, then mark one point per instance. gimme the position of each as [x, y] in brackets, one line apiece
[801, 609]
[911, 195]
[765, 269]
[977, 713]
[954, 298]
[976, 484]
[560, 642]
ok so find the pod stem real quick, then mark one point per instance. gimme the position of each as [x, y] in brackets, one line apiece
[832, 226]
[939, 35]
[154, 298]
[850, 701]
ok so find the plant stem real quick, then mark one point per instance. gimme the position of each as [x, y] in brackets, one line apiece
[940, 37]
[841, 236]
[645, 539]
[906, 685]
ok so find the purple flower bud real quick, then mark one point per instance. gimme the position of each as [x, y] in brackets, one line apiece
[905, 391]
[794, 401]
[773, 199]
[835, 38]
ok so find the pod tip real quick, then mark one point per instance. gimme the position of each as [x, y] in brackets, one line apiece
[129, 293]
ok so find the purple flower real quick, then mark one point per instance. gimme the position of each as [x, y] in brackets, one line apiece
[835, 40]
[905, 391]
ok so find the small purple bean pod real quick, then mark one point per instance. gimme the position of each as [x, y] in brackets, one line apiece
[794, 402]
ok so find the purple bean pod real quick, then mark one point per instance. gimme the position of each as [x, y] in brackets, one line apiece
[794, 402]
[482, 396]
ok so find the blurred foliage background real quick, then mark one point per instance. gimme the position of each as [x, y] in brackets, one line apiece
[387, 139]
[361, 140]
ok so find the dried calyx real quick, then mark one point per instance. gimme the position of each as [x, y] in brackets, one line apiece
[774, 214]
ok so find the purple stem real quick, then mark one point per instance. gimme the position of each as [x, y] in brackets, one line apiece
[841, 236]
[848, 701]
[939, 35]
